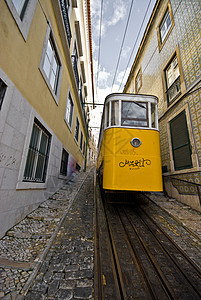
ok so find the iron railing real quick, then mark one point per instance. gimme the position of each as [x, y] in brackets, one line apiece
[64, 11]
[184, 187]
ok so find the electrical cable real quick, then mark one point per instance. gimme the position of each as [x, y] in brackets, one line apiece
[99, 46]
[135, 43]
[128, 19]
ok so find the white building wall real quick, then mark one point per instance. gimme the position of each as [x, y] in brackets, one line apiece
[18, 198]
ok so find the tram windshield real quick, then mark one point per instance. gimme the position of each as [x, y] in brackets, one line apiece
[134, 114]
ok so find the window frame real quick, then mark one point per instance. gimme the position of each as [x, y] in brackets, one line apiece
[37, 153]
[173, 149]
[81, 141]
[161, 43]
[71, 112]
[3, 88]
[64, 162]
[84, 146]
[50, 36]
[23, 24]
[176, 53]
[77, 131]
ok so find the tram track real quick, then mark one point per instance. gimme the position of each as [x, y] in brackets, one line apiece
[146, 263]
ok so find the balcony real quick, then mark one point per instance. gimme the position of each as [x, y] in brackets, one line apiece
[174, 91]
[66, 21]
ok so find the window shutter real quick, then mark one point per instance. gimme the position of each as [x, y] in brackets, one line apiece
[180, 142]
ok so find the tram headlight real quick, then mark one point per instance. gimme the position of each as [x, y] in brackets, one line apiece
[135, 142]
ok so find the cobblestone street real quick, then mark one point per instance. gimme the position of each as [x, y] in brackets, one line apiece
[50, 254]
[51, 251]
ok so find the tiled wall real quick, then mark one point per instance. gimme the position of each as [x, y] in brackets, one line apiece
[186, 36]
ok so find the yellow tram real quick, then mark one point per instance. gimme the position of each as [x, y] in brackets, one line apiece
[129, 147]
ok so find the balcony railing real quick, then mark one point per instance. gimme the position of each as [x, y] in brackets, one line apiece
[74, 63]
[174, 91]
[66, 20]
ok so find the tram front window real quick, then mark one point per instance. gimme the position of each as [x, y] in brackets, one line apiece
[115, 113]
[134, 114]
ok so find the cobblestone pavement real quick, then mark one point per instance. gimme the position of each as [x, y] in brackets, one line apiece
[187, 216]
[54, 244]
[50, 254]
[181, 222]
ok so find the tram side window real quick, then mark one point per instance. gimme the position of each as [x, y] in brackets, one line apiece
[134, 114]
[153, 115]
[115, 113]
[107, 114]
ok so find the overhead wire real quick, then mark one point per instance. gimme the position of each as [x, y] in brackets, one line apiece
[135, 42]
[128, 19]
[99, 46]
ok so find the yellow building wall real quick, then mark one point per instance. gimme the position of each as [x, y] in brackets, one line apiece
[20, 60]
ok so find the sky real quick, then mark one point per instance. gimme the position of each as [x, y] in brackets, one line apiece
[115, 44]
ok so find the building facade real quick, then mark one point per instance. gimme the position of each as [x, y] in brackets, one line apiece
[91, 150]
[46, 76]
[167, 65]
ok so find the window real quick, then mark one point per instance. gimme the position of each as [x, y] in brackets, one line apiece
[77, 126]
[77, 167]
[172, 80]
[65, 10]
[37, 158]
[165, 26]
[107, 114]
[69, 111]
[153, 116]
[83, 149]
[80, 91]
[134, 114]
[115, 113]
[64, 163]
[138, 81]
[74, 58]
[181, 147]
[22, 12]
[51, 65]
[81, 140]
[3, 87]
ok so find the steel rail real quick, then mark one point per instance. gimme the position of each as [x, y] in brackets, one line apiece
[181, 252]
[168, 291]
[98, 283]
[114, 254]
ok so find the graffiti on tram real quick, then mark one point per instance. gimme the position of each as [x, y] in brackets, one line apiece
[135, 164]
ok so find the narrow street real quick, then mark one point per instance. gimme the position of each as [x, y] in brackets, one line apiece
[54, 252]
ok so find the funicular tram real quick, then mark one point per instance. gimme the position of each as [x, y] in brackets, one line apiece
[129, 146]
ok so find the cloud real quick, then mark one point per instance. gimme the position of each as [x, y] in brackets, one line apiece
[126, 50]
[119, 12]
[112, 14]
